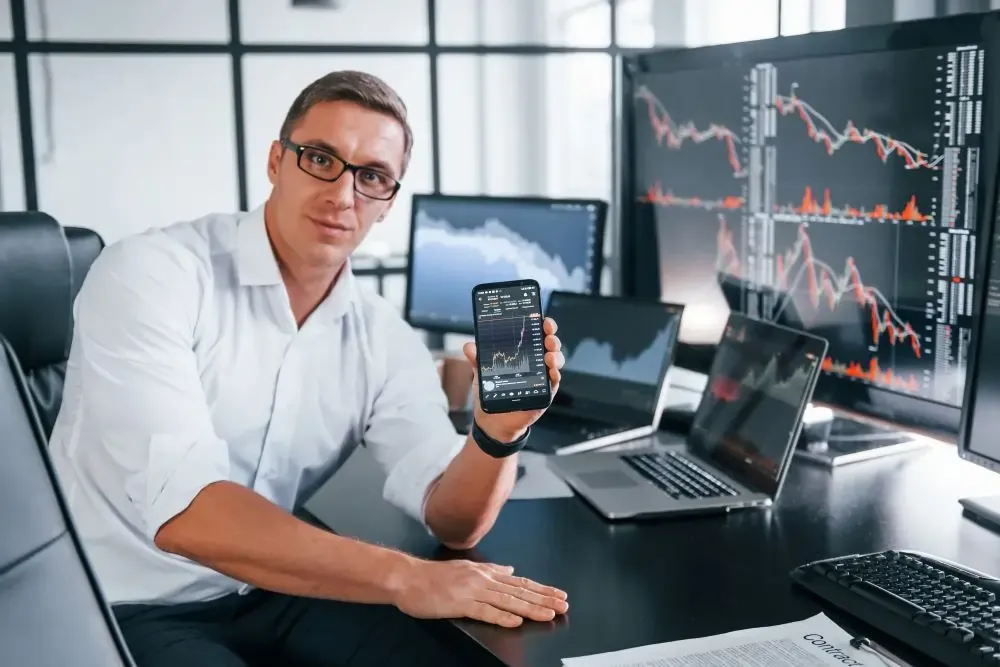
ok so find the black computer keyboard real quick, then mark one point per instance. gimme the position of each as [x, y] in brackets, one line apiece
[678, 475]
[944, 611]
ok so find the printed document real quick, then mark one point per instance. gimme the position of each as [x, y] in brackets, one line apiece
[814, 642]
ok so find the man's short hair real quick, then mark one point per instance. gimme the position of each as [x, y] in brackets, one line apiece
[361, 88]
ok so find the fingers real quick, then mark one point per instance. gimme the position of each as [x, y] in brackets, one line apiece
[508, 602]
[487, 613]
[528, 584]
[552, 343]
[550, 326]
[544, 602]
[554, 361]
[470, 352]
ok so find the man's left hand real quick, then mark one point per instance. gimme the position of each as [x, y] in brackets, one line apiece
[509, 426]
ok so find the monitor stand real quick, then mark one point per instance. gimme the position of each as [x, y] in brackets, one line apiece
[984, 510]
[435, 342]
[851, 441]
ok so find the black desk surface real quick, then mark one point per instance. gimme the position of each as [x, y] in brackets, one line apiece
[634, 584]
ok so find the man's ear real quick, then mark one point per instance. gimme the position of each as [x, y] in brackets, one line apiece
[274, 156]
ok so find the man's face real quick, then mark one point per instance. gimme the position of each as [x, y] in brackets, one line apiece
[320, 223]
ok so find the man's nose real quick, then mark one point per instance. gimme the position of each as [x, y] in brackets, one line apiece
[341, 191]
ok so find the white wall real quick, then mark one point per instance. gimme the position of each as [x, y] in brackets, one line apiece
[649, 23]
[355, 22]
[909, 10]
[128, 20]
[124, 143]
[6, 30]
[11, 180]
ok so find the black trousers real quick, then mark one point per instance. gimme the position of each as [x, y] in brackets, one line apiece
[264, 629]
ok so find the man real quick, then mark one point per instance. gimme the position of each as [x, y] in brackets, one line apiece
[223, 369]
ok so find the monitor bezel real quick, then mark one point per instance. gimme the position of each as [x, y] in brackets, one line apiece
[442, 328]
[989, 226]
[627, 414]
[638, 237]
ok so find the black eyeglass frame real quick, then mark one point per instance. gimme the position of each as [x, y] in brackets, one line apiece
[300, 149]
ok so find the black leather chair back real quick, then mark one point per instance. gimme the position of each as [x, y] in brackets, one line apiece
[36, 292]
[84, 247]
[51, 608]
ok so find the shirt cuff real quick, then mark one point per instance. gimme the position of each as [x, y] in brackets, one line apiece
[179, 468]
[407, 484]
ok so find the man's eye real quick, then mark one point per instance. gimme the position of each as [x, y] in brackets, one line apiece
[319, 159]
[374, 177]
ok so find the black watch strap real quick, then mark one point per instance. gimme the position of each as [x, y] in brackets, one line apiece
[495, 448]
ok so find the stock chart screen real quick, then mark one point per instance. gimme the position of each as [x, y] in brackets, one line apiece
[833, 195]
[511, 343]
[761, 378]
[459, 242]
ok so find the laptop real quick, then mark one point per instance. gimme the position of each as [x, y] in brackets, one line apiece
[618, 353]
[741, 441]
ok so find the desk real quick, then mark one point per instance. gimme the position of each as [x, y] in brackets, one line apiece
[633, 584]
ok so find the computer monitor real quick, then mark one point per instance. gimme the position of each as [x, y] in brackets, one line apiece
[457, 242]
[980, 425]
[829, 181]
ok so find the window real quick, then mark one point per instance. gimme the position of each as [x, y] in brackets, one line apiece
[526, 125]
[272, 82]
[124, 143]
[6, 28]
[524, 22]
[11, 176]
[128, 20]
[801, 16]
[349, 22]
[666, 23]
[729, 21]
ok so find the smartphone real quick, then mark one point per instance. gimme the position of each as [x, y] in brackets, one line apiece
[510, 346]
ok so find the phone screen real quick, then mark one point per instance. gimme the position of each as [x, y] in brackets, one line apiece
[511, 347]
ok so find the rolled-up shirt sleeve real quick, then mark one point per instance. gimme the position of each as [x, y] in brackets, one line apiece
[135, 321]
[409, 433]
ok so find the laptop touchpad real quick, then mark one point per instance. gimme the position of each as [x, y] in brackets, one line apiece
[607, 479]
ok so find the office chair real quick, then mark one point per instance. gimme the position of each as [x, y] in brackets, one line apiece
[84, 247]
[36, 291]
[51, 608]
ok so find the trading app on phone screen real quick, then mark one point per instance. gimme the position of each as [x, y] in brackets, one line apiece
[511, 343]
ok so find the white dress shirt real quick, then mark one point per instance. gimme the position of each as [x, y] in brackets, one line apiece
[187, 367]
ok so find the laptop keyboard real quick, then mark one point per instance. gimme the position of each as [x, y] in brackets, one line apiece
[678, 475]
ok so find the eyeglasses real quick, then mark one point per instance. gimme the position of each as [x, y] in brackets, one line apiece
[326, 166]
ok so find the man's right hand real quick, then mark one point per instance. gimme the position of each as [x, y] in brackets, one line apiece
[482, 591]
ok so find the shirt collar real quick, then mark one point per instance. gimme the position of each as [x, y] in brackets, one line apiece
[257, 265]
[255, 258]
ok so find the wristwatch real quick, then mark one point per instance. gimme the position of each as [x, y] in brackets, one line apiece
[495, 448]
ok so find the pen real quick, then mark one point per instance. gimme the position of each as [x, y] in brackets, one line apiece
[887, 657]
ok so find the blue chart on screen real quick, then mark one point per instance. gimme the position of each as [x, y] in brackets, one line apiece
[598, 358]
[459, 245]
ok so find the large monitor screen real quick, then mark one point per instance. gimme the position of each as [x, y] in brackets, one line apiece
[458, 242]
[837, 194]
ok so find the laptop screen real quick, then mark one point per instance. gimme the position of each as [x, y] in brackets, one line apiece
[617, 352]
[761, 380]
